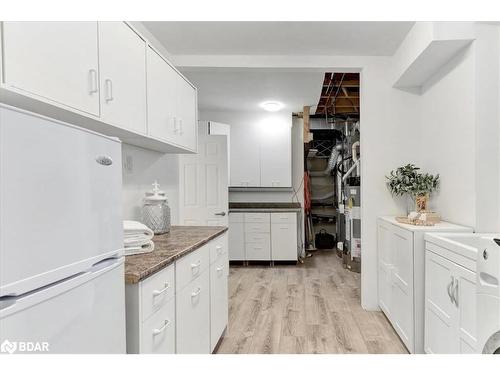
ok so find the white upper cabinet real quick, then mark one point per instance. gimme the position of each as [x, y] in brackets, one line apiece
[161, 97]
[172, 104]
[245, 157]
[122, 58]
[56, 61]
[261, 152]
[186, 116]
[276, 157]
[103, 76]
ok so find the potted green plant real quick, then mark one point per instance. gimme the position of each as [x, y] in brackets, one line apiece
[408, 180]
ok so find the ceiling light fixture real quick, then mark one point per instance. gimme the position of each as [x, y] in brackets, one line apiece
[272, 106]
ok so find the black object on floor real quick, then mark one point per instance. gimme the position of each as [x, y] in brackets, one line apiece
[324, 240]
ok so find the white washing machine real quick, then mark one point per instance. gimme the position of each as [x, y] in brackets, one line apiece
[488, 296]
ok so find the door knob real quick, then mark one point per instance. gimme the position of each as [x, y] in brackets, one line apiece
[220, 214]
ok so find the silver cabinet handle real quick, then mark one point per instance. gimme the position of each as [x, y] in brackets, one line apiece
[449, 288]
[220, 269]
[93, 81]
[157, 331]
[220, 214]
[109, 90]
[219, 249]
[455, 292]
[196, 293]
[156, 293]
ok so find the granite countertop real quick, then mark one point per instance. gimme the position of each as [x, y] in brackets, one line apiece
[168, 248]
[263, 205]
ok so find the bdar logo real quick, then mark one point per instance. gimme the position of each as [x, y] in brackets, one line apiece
[8, 347]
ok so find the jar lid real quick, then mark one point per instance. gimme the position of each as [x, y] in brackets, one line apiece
[156, 195]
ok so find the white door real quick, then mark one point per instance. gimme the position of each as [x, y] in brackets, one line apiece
[245, 156]
[161, 98]
[464, 293]
[54, 60]
[276, 155]
[219, 272]
[185, 121]
[122, 59]
[203, 183]
[402, 285]
[193, 316]
[440, 312]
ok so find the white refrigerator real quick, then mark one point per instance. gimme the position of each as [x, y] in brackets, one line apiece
[61, 238]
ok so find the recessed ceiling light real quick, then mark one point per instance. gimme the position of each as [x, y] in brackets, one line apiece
[272, 106]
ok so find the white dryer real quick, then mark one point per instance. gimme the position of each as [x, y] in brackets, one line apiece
[488, 296]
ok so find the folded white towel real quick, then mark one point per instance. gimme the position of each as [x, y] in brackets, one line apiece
[142, 249]
[135, 233]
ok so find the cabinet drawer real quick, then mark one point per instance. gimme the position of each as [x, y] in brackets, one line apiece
[257, 227]
[218, 248]
[258, 250]
[257, 217]
[256, 237]
[158, 332]
[193, 317]
[156, 291]
[283, 217]
[191, 266]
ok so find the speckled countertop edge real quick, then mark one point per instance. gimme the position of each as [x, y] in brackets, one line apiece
[169, 247]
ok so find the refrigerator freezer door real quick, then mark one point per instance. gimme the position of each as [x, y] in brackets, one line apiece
[83, 314]
[60, 199]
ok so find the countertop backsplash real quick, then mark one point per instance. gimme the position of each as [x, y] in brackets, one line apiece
[140, 169]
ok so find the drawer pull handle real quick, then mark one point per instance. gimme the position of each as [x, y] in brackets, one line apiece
[196, 293]
[220, 269]
[156, 293]
[157, 331]
[196, 265]
[219, 249]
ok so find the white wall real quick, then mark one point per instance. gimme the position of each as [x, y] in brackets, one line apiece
[144, 167]
[447, 138]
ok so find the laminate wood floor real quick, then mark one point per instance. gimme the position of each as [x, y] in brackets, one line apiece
[309, 308]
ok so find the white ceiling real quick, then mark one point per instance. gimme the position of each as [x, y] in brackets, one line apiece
[227, 89]
[280, 38]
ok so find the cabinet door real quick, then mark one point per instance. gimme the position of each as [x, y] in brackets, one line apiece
[385, 260]
[284, 240]
[402, 285]
[276, 155]
[158, 331]
[185, 121]
[464, 293]
[245, 156]
[161, 89]
[193, 317]
[57, 61]
[122, 58]
[440, 312]
[219, 273]
[236, 240]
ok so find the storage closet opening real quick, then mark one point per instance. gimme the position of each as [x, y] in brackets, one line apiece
[332, 166]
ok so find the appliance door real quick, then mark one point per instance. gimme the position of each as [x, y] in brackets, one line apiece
[83, 314]
[60, 200]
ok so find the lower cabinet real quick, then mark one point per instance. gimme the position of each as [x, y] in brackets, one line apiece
[184, 307]
[450, 306]
[266, 236]
[193, 316]
[401, 276]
